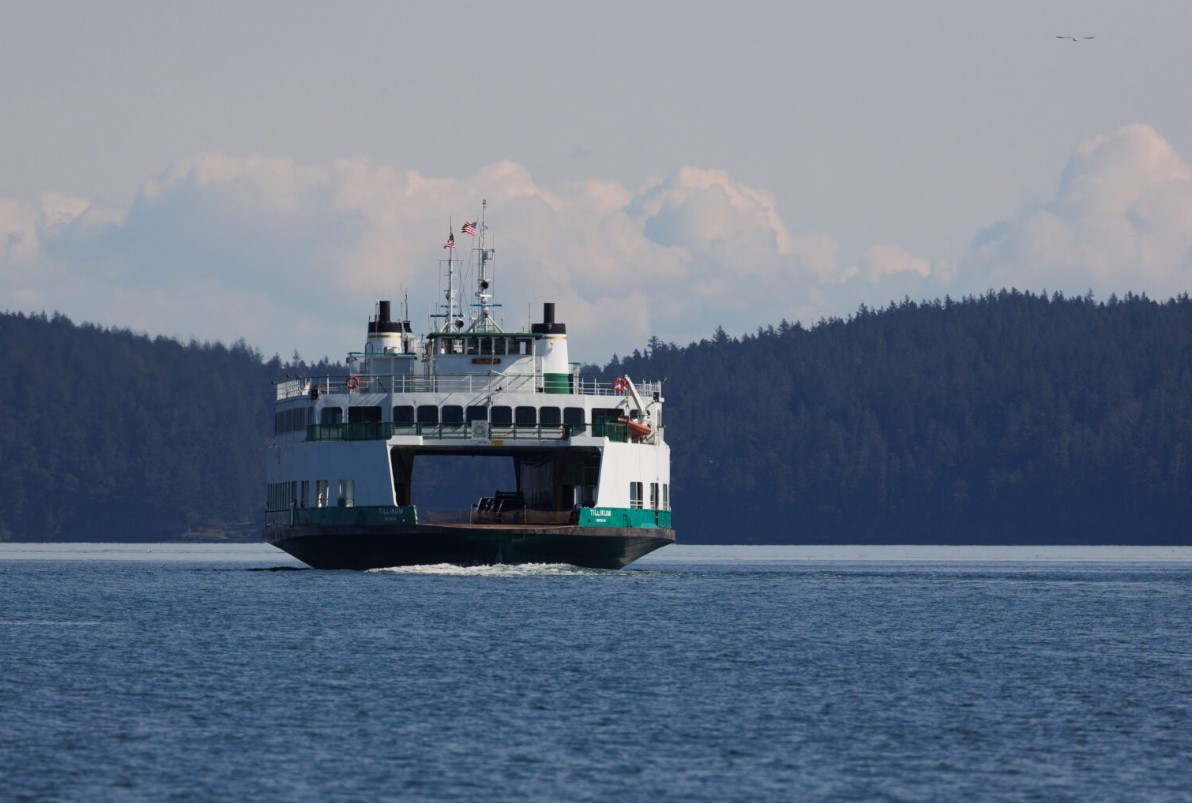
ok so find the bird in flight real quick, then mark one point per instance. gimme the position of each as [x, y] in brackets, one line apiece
[1073, 38]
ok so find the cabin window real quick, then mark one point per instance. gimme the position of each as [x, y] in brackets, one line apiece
[477, 412]
[502, 416]
[666, 496]
[635, 495]
[654, 495]
[550, 416]
[453, 414]
[322, 493]
[602, 416]
[364, 415]
[428, 414]
[331, 415]
[403, 414]
[279, 423]
[347, 493]
[573, 416]
[304, 497]
[526, 416]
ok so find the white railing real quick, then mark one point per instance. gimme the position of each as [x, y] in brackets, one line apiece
[447, 383]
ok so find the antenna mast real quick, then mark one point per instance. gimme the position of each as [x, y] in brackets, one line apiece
[453, 319]
[484, 297]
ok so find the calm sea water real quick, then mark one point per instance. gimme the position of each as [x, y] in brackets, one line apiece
[157, 673]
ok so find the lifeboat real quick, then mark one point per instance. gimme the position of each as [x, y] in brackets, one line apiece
[636, 429]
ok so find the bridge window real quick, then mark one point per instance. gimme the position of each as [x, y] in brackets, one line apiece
[364, 415]
[499, 345]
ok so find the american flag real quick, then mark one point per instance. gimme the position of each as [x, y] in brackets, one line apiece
[450, 241]
[469, 228]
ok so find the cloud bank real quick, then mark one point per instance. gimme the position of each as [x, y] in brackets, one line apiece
[1121, 220]
[292, 256]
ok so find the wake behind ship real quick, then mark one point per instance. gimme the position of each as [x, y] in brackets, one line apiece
[589, 459]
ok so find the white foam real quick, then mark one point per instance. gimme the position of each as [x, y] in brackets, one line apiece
[499, 570]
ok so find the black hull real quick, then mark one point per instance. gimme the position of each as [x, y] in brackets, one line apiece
[359, 548]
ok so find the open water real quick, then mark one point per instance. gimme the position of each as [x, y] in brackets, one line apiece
[191, 673]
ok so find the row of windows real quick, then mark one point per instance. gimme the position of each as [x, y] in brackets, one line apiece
[657, 502]
[287, 495]
[500, 415]
[486, 345]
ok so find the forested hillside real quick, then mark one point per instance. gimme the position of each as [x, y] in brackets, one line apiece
[111, 435]
[1007, 418]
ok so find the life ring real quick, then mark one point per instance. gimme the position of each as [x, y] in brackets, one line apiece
[620, 385]
[352, 382]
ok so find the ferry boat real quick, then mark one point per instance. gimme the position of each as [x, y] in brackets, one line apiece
[586, 462]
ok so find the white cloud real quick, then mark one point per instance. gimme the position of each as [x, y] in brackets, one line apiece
[288, 255]
[889, 260]
[293, 256]
[1121, 219]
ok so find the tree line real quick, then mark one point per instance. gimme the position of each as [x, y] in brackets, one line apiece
[1004, 418]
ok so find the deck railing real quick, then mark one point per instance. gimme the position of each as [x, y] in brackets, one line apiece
[396, 384]
[379, 431]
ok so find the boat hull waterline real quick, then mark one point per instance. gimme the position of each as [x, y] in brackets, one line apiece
[379, 547]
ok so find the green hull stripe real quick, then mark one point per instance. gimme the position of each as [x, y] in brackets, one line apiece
[356, 515]
[623, 517]
[389, 514]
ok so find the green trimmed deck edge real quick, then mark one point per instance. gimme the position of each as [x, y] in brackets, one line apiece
[624, 517]
[367, 515]
[392, 514]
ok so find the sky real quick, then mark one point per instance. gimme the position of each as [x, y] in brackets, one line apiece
[266, 171]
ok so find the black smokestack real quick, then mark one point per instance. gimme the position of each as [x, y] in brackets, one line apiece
[382, 325]
[548, 325]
